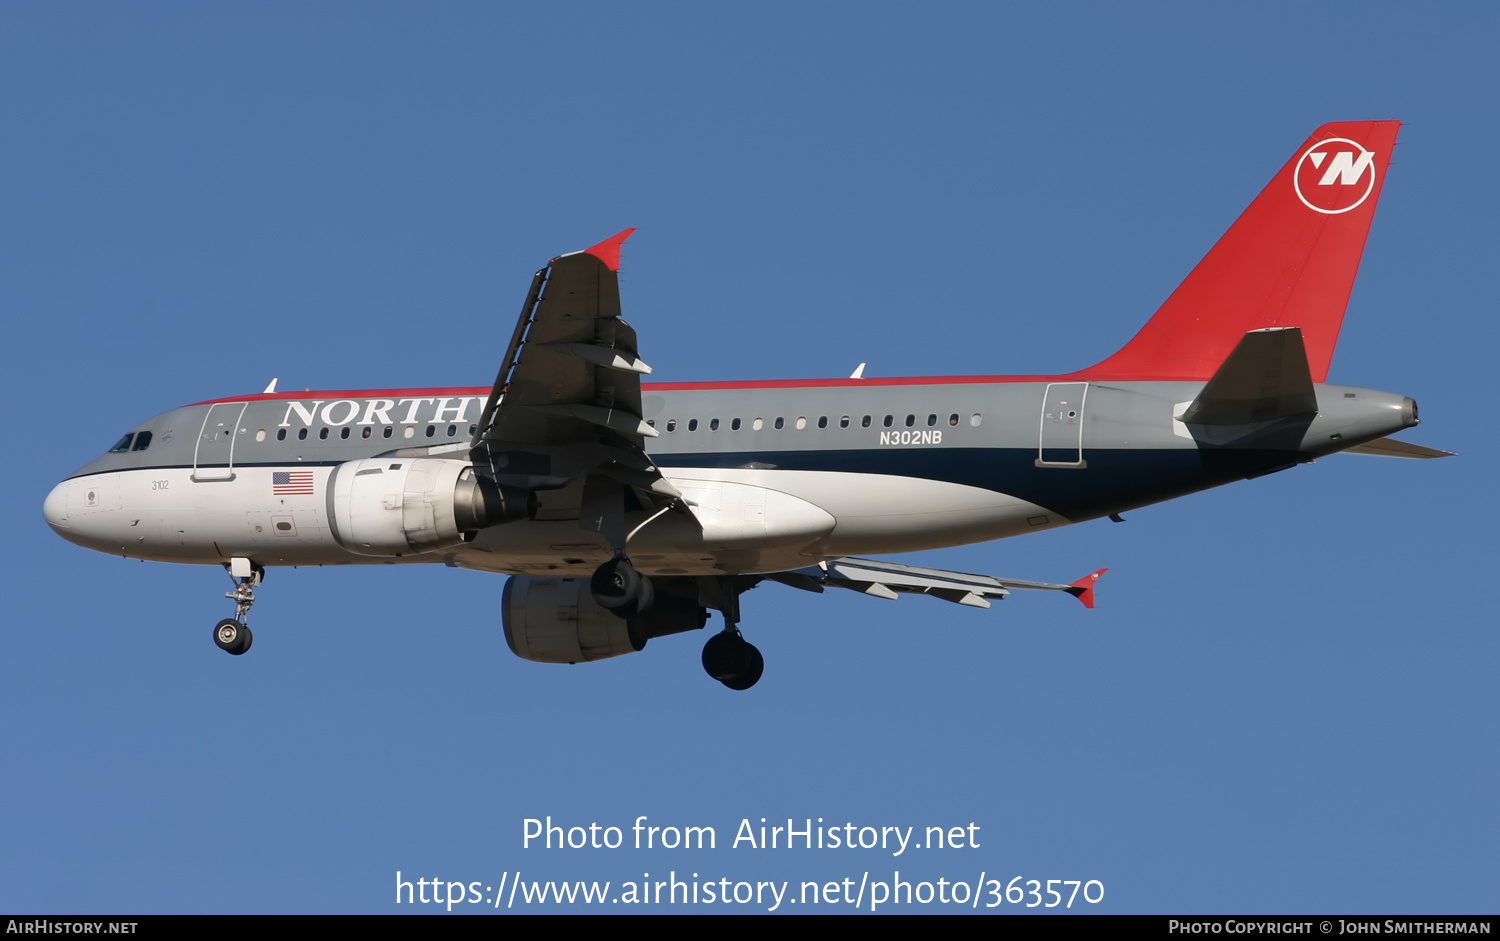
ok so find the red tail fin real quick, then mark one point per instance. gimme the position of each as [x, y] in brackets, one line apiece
[1288, 261]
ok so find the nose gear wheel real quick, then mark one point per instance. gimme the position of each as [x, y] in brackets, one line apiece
[232, 635]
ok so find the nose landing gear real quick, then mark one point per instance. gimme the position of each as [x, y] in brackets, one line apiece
[232, 635]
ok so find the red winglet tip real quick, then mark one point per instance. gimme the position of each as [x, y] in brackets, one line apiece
[1083, 589]
[608, 251]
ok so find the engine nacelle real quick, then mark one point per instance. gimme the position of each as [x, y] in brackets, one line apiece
[399, 506]
[557, 620]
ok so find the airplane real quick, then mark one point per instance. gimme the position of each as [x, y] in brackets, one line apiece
[625, 511]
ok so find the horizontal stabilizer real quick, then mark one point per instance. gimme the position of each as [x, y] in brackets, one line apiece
[1083, 589]
[1390, 447]
[887, 579]
[1264, 378]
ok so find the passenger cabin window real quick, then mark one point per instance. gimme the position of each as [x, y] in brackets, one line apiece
[431, 430]
[365, 432]
[142, 441]
[713, 424]
[974, 419]
[889, 419]
[301, 434]
[692, 424]
[801, 422]
[452, 430]
[953, 419]
[911, 420]
[931, 420]
[344, 432]
[822, 421]
[757, 425]
[865, 422]
[389, 429]
[734, 425]
[671, 424]
[780, 423]
[123, 444]
[280, 434]
[322, 432]
[844, 422]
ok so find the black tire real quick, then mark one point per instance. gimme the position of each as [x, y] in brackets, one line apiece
[245, 644]
[620, 589]
[726, 656]
[229, 636]
[615, 584]
[752, 673]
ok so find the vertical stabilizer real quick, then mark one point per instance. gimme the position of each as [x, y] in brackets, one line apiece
[1288, 261]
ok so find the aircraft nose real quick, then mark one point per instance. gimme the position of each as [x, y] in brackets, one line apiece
[55, 509]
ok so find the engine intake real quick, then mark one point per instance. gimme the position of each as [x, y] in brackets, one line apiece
[557, 620]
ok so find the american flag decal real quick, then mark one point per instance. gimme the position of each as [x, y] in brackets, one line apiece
[291, 482]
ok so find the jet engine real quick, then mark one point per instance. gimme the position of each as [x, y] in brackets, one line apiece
[399, 506]
[557, 620]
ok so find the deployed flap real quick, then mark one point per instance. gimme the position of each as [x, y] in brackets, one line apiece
[1390, 447]
[1264, 378]
[885, 579]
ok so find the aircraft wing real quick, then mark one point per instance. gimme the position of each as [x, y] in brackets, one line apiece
[566, 403]
[887, 579]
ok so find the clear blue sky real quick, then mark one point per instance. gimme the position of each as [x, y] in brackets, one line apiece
[1284, 702]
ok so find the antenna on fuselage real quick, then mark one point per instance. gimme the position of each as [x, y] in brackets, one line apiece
[859, 372]
[270, 388]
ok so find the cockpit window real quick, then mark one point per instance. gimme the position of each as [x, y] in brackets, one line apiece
[123, 444]
[142, 441]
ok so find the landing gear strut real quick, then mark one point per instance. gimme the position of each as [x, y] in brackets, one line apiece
[728, 657]
[231, 634]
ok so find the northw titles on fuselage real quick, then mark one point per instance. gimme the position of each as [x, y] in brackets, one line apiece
[377, 413]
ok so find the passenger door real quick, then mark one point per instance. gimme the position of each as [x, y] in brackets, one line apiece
[1060, 439]
[213, 458]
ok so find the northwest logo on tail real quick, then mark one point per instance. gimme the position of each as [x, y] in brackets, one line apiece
[1334, 175]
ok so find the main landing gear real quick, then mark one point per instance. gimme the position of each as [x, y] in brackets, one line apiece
[728, 657]
[620, 589]
[231, 634]
[732, 660]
